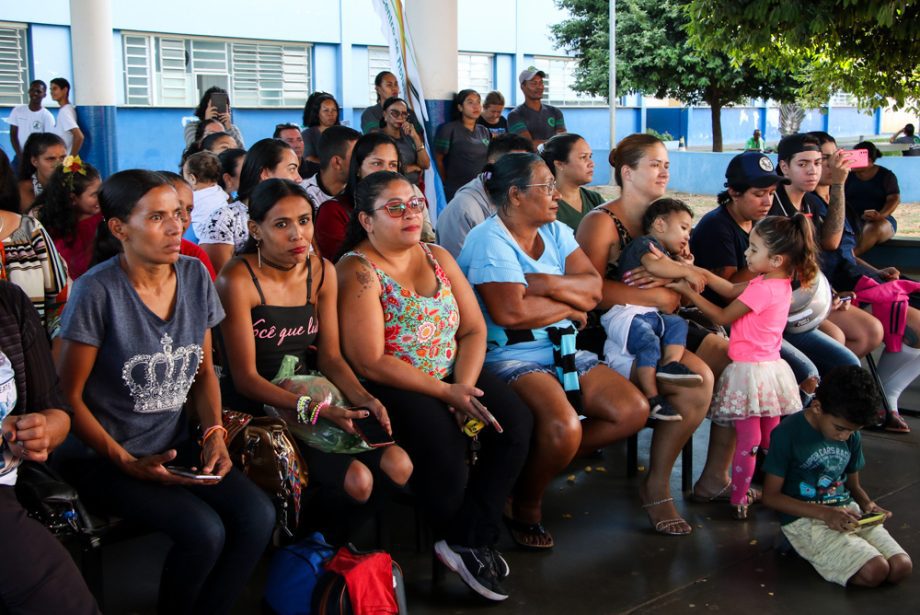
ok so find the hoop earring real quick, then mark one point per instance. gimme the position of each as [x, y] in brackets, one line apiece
[259, 252]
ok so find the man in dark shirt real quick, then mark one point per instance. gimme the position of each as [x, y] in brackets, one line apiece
[533, 119]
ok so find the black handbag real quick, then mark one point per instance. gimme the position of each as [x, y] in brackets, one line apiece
[48, 499]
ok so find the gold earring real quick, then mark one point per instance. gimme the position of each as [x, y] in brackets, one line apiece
[259, 251]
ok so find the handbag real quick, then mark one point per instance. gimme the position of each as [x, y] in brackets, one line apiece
[51, 501]
[265, 451]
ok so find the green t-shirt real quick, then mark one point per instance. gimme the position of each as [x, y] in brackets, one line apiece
[755, 144]
[814, 469]
[570, 216]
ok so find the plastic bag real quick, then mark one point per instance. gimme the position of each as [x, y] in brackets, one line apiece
[325, 435]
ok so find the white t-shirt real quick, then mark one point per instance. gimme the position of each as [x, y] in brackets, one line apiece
[9, 461]
[29, 121]
[67, 121]
[207, 201]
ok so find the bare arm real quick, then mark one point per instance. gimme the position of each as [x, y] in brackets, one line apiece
[832, 227]
[204, 397]
[219, 253]
[836, 517]
[439, 160]
[580, 287]
[78, 139]
[598, 238]
[891, 204]
[720, 316]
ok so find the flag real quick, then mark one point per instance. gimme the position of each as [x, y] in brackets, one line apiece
[405, 68]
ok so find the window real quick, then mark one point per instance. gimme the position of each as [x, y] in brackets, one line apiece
[560, 79]
[173, 71]
[378, 59]
[14, 64]
[474, 70]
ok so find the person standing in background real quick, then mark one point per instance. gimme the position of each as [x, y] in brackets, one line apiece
[492, 117]
[533, 119]
[67, 127]
[26, 119]
[755, 143]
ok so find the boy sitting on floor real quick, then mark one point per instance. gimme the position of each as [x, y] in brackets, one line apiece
[812, 479]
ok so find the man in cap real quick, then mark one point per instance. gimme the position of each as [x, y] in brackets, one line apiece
[533, 119]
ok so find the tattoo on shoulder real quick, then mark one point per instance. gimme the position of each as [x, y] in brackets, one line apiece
[364, 279]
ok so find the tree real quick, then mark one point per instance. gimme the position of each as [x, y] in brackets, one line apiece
[655, 56]
[869, 48]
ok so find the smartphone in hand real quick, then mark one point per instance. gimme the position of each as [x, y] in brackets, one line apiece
[859, 158]
[220, 101]
[193, 474]
[371, 431]
[872, 518]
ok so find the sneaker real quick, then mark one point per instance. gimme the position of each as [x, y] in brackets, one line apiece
[475, 566]
[502, 569]
[679, 374]
[661, 410]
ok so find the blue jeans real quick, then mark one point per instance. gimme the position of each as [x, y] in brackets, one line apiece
[824, 351]
[649, 331]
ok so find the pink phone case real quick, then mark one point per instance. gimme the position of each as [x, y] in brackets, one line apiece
[859, 158]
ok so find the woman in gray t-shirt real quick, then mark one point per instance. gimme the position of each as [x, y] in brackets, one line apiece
[136, 352]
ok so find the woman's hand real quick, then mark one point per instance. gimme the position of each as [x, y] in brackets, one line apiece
[343, 417]
[461, 398]
[152, 468]
[839, 166]
[409, 130]
[214, 456]
[578, 318]
[378, 410]
[28, 433]
[210, 112]
[681, 286]
[641, 278]
[225, 118]
[842, 301]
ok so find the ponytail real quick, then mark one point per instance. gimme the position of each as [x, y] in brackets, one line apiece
[793, 238]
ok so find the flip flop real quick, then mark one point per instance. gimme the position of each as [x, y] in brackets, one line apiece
[531, 536]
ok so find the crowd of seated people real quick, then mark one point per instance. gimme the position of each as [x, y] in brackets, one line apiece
[519, 326]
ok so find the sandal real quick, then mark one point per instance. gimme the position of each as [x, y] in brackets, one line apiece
[669, 527]
[531, 536]
[723, 495]
[895, 423]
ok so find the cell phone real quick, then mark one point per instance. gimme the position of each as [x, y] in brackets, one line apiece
[371, 431]
[845, 298]
[193, 474]
[220, 101]
[859, 158]
[873, 518]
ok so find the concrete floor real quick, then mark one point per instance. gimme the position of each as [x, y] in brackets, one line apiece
[607, 559]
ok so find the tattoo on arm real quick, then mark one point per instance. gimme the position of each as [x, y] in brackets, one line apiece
[364, 279]
[833, 223]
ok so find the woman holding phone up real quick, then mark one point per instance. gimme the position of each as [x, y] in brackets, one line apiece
[280, 299]
[416, 333]
[214, 104]
[137, 350]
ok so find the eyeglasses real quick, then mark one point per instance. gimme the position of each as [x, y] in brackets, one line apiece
[549, 188]
[397, 208]
[398, 115]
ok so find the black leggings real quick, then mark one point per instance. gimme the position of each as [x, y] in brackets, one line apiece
[37, 574]
[218, 531]
[464, 505]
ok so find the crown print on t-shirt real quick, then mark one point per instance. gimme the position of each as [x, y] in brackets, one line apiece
[163, 380]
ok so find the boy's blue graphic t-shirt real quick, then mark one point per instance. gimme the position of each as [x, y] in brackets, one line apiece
[814, 468]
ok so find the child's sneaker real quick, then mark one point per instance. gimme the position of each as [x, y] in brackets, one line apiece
[679, 374]
[661, 410]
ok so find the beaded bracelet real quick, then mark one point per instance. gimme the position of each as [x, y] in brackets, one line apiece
[314, 416]
[303, 404]
[212, 430]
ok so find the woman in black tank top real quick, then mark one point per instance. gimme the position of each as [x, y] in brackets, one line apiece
[280, 299]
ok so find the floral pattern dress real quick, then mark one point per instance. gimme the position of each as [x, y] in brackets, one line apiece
[419, 330]
[227, 225]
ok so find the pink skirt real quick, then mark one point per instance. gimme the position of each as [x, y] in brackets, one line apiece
[767, 388]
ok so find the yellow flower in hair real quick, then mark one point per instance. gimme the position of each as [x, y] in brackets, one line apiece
[73, 164]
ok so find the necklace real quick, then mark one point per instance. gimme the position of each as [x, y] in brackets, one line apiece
[277, 266]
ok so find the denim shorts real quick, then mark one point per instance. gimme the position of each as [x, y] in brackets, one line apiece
[511, 370]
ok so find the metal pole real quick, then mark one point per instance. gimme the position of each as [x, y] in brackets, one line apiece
[612, 95]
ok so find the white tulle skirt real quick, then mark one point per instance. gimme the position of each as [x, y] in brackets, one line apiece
[767, 388]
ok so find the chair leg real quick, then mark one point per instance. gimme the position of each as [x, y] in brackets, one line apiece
[686, 466]
[632, 455]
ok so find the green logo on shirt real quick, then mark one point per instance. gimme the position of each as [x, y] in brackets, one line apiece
[551, 121]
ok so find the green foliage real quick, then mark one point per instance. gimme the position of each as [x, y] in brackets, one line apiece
[870, 48]
[656, 56]
[664, 136]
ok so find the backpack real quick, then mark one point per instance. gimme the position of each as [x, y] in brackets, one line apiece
[293, 573]
[263, 448]
[333, 593]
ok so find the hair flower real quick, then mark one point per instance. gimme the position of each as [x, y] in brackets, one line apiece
[73, 164]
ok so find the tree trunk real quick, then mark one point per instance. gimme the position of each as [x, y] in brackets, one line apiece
[715, 109]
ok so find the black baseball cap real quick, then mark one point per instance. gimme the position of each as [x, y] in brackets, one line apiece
[800, 142]
[752, 169]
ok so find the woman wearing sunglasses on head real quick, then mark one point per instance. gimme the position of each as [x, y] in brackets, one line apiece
[413, 323]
